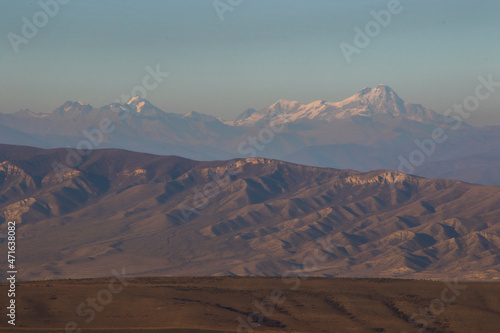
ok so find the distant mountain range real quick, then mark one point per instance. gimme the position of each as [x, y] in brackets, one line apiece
[381, 100]
[374, 129]
[161, 215]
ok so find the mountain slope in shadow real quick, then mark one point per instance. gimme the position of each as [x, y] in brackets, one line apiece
[264, 217]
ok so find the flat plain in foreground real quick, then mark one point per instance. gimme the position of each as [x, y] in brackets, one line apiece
[114, 330]
[175, 304]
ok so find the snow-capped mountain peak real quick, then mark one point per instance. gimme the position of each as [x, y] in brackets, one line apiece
[135, 100]
[368, 102]
[283, 104]
[193, 115]
[73, 107]
[139, 103]
[372, 95]
[143, 106]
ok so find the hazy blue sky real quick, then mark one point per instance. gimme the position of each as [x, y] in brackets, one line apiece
[431, 53]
